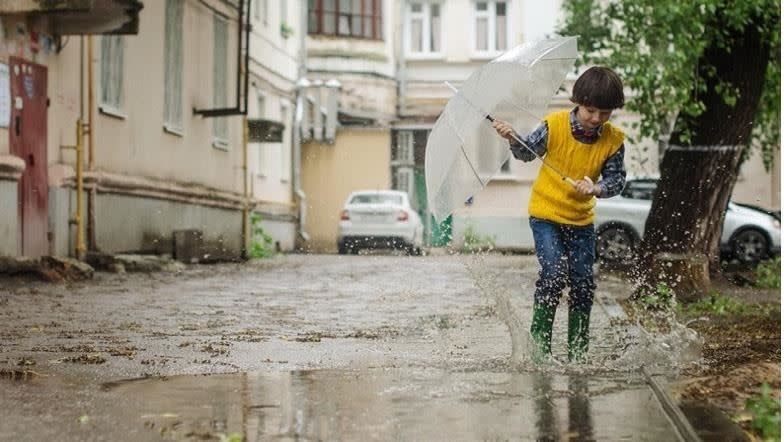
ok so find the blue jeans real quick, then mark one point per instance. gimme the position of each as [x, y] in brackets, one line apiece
[566, 256]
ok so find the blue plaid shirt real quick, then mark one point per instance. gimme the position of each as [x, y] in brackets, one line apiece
[613, 170]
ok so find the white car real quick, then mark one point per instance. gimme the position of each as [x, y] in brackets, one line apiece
[379, 219]
[749, 234]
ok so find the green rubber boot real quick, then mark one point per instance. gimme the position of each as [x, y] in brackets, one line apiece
[579, 319]
[542, 331]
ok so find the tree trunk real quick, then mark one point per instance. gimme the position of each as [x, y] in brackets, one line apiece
[696, 181]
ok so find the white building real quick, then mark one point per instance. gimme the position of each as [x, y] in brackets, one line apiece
[276, 48]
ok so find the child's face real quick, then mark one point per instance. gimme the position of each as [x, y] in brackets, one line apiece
[591, 117]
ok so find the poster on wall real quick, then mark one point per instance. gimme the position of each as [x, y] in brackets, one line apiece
[5, 96]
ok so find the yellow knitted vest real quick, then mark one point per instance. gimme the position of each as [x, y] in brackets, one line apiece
[554, 199]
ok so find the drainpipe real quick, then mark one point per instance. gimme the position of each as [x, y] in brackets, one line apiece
[245, 202]
[90, 142]
[80, 248]
[401, 63]
[296, 138]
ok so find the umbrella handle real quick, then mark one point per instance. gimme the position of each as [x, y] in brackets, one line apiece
[569, 180]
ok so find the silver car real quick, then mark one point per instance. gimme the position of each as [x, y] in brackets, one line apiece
[749, 234]
[379, 219]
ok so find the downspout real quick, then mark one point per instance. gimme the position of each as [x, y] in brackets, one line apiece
[245, 200]
[78, 219]
[91, 142]
[296, 137]
[402, 83]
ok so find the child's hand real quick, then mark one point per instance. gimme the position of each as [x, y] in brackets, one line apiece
[586, 187]
[504, 129]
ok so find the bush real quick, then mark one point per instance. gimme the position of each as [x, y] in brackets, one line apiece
[473, 240]
[662, 298]
[766, 412]
[769, 274]
[261, 244]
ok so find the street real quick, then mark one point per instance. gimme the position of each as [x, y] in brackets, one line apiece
[311, 346]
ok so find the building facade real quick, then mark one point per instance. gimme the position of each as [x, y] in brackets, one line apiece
[152, 164]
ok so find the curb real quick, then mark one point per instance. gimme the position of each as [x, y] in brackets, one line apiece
[682, 425]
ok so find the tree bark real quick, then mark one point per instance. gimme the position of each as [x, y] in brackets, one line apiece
[696, 181]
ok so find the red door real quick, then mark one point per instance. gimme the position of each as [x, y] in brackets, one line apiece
[28, 141]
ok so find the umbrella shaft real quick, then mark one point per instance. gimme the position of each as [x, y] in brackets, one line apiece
[522, 143]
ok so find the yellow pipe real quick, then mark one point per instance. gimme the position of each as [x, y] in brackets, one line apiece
[80, 249]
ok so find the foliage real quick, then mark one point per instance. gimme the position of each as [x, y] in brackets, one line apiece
[473, 240]
[286, 30]
[658, 45]
[717, 304]
[662, 298]
[769, 274]
[261, 243]
[767, 414]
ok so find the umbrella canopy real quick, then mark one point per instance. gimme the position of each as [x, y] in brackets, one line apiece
[463, 150]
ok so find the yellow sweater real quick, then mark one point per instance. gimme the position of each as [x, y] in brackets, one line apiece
[554, 199]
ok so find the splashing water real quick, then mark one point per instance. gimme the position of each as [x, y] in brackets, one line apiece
[617, 346]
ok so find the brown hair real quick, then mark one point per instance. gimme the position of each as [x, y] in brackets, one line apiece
[599, 87]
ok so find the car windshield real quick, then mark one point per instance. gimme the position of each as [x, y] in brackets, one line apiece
[377, 198]
[639, 190]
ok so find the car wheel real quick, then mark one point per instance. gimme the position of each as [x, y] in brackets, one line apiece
[749, 246]
[615, 243]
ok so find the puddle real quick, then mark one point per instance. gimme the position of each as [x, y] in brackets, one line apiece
[388, 404]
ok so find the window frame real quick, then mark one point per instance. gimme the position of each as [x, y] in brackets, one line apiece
[112, 76]
[220, 98]
[173, 109]
[427, 22]
[491, 14]
[376, 16]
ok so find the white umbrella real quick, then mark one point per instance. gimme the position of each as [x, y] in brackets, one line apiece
[463, 150]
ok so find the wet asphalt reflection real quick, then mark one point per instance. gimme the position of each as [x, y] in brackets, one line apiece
[314, 348]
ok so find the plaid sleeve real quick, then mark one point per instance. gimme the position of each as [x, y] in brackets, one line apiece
[613, 175]
[536, 140]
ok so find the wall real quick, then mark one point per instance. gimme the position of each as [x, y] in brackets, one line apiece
[359, 159]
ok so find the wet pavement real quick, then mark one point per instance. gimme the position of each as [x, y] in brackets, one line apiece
[316, 348]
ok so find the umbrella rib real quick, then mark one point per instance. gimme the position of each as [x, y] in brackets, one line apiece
[462, 148]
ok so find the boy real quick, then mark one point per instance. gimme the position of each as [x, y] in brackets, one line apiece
[578, 143]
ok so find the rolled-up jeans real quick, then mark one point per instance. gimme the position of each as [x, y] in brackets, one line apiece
[566, 256]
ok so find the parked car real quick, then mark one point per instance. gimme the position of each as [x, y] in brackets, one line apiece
[379, 219]
[749, 235]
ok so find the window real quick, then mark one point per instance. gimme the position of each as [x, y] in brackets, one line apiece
[404, 180]
[112, 72]
[285, 148]
[220, 48]
[404, 152]
[377, 198]
[423, 35]
[640, 189]
[172, 107]
[349, 18]
[490, 27]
